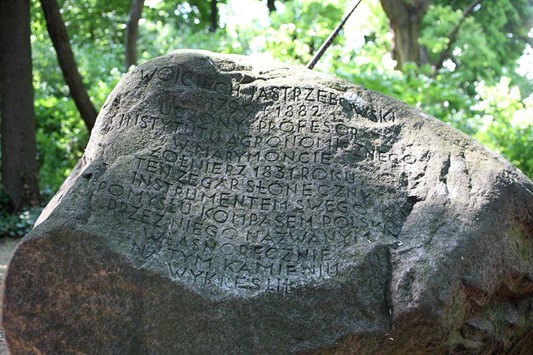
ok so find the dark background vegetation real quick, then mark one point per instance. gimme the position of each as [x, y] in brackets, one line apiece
[464, 62]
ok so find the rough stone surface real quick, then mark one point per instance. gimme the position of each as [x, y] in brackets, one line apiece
[230, 206]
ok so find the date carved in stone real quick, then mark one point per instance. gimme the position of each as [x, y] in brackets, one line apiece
[229, 206]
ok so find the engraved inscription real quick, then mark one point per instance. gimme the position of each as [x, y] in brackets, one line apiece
[253, 188]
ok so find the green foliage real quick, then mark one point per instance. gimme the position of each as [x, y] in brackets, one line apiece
[489, 42]
[192, 14]
[158, 39]
[507, 123]
[19, 224]
[297, 33]
[470, 53]
[95, 22]
[60, 132]
[61, 137]
[436, 96]
[293, 34]
[477, 91]
[504, 25]
[469, 95]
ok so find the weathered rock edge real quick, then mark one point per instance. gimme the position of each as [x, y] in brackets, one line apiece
[458, 276]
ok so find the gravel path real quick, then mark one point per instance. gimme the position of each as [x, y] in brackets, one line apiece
[7, 246]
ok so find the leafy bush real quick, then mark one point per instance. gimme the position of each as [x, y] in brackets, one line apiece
[19, 224]
[493, 110]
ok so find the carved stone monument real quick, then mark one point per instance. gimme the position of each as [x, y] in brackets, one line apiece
[229, 206]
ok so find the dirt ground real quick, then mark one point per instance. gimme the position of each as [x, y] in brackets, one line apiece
[7, 246]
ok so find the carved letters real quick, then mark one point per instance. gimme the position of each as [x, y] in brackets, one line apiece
[254, 187]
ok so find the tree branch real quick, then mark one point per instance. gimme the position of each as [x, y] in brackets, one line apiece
[58, 34]
[331, 38]
[213, 16]
[271, 6]
[453, 35]
[132, 29]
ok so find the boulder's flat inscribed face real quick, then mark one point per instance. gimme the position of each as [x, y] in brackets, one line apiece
[224, 205]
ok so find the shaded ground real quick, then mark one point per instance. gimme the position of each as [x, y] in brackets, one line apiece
[7, 246]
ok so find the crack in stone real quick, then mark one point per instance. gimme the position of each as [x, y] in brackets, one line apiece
[445, 170]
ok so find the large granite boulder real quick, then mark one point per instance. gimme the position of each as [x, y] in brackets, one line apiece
[229, 206]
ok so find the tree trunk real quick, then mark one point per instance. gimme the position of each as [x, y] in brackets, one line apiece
[19, 152]
[58, 34]
[214, 16]
[132, 30]
[271, 4]
[405, 17]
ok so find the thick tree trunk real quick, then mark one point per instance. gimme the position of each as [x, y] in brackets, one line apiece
[19, 157]
[58, 34]
[132, 30]
[214, 16]
[405, 17]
